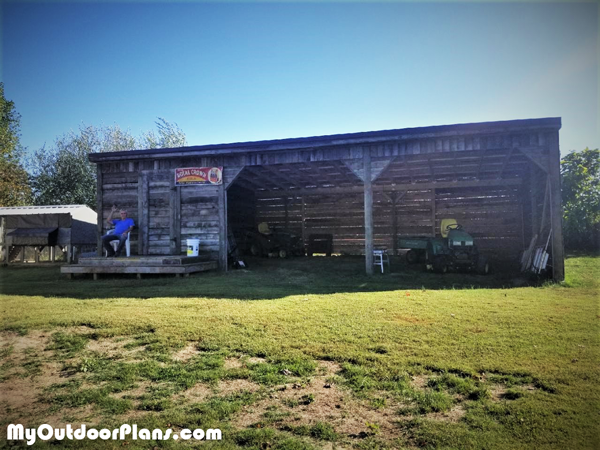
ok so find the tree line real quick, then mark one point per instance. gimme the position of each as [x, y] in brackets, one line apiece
[61, 174]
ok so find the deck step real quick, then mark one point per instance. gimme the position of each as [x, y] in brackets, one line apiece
[140, 269]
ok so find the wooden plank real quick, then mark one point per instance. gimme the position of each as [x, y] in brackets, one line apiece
[99, 209]
[188, 268]
[368, 192]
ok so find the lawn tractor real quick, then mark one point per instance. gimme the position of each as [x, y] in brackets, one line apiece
[269, 242]
[455, 250]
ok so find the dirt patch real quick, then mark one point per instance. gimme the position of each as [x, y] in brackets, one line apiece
[498, 392]
[227, 387]
[420, 381]
[186, 353]
[113, 347]
[198, 393]
[322, 401]
[233, 363]
[33, 342]
[453, 416]
[21, 396]
[255, 360]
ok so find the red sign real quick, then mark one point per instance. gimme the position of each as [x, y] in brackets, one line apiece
[199, 175]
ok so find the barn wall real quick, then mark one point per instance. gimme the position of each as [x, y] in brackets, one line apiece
[198, 205]
[493, 215]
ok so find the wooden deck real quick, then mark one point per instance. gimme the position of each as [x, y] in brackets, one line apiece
[139, 265]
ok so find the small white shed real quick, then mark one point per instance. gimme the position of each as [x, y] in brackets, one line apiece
[46, 233]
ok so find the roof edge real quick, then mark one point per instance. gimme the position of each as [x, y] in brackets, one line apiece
[554, 123]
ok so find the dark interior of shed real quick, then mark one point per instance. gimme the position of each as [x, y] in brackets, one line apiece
[498, 197]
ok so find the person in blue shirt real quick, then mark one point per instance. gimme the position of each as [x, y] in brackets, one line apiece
[122, 227]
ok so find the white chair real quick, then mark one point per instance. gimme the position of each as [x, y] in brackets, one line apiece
[381, 257]
[115, 244]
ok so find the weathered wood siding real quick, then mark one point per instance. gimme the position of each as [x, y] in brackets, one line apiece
[166, 231]
[492, 215]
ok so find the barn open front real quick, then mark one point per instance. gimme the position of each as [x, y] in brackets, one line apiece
[365, 191]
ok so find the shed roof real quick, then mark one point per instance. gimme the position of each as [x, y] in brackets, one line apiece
[552, 123]
[50, 209]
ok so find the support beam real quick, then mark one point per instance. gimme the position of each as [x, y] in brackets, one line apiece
[99, 208]
[368, 189]
[303, 221]
[505, 163]
[433, 212]
[556, 211]
[175, 218]
[535, 156]
[142, 213]
[395, 187]
[230, 174]
[223, 228]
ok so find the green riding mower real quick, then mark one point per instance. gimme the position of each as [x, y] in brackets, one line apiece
[455, 250]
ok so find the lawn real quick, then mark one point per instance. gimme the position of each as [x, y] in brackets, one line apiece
[308, 354]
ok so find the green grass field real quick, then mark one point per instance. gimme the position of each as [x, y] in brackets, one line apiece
[308, 354]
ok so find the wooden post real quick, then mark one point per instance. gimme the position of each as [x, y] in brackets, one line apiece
[145, 215]
[433, 212]
[99, 207]
[175, 218]
[223, 228]
[52, 253]
[69, 253]
[303, 221]
[556, 211]
[141, 207]
[394, 199]
[368, 188]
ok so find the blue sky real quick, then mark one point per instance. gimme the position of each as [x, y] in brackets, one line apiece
[243, 71]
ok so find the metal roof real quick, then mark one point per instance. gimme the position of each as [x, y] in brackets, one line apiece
[50, 209]
[553, 123]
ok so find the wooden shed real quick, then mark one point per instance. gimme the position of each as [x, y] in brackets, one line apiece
[500, 180]
[41, 233]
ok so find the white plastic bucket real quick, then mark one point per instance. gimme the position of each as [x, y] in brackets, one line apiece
[193, 246]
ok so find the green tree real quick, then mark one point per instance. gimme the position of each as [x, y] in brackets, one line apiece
[63, 174]
[169, 135]
[14, 182]
[581, 199]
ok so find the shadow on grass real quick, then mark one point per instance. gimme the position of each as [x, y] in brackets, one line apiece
[263, 279]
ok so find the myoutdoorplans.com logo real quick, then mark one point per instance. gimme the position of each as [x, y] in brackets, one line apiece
[46, 433]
